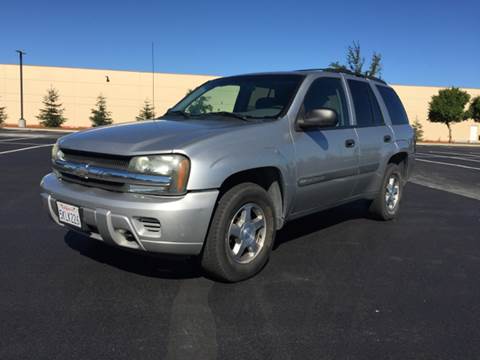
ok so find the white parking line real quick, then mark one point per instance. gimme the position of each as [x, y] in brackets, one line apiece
[14, 139]
[449, 157]
[449, 164]
[420, 180]
[26, 135]
[455, 153]
[23, 149]
[20, 143]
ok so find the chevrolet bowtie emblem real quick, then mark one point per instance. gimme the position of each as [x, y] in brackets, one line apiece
[82, 171]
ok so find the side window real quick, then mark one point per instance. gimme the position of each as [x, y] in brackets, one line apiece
[395, 109]
[327, 93]
[367, 110]
[377, 113]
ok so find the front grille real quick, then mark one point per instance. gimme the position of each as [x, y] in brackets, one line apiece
[98, 160]
[106, 185]
[108, 172]
[94, 159]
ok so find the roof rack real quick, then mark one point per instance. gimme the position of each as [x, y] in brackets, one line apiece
[348, 72]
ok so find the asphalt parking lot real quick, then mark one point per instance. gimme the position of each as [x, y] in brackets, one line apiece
[339, 285]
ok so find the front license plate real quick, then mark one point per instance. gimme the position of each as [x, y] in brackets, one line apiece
[69, 214]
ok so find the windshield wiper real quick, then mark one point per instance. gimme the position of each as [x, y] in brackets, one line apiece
[227, 113]
[178, 112]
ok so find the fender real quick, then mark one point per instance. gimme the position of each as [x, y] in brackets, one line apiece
[217, 158]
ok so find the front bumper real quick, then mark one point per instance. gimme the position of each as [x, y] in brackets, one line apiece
[173, 225]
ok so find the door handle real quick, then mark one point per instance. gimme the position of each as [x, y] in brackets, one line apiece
[387, 138]
[349, 143]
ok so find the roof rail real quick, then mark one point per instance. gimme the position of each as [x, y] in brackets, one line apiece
[313, 69]
[348, 72]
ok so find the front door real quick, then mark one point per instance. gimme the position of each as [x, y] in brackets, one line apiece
[326, 158]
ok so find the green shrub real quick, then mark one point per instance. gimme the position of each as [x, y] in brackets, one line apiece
[52, 113]
[100, 116]
[147, 112]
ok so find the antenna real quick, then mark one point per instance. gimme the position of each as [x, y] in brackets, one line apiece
[153, 74]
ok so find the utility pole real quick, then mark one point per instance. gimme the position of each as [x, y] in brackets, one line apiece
[21, 122]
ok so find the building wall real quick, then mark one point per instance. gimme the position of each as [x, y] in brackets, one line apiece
[416, 99]
[78, 89]
[127, 90]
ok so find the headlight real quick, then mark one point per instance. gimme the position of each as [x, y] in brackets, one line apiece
[175, 167]
[57, 154]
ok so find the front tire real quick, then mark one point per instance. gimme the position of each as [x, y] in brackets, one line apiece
[241, 234]
[387, 203]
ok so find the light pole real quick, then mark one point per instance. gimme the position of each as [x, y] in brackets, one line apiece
[21, 122]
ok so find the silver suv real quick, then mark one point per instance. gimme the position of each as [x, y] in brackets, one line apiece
[231, 163]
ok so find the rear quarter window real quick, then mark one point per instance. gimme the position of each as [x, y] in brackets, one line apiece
[395, 108]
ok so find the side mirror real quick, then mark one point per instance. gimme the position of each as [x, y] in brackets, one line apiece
[318, 118]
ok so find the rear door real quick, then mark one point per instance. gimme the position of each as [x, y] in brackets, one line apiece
[375, 138]
[326, 158]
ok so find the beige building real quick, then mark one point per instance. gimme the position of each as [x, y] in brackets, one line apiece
[126, 92]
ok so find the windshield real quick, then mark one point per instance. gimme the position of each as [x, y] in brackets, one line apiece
[249, 96]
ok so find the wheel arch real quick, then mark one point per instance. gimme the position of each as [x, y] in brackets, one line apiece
[401, 159]
[269, 178]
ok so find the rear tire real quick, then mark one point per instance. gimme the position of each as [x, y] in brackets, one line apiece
[385, 206]
[241, 234]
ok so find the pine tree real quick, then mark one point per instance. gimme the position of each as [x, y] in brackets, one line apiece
[147, 112]
[52, 113]
[418, 128]
[375, 65]
[100, 116]
[3, 115]
[355, 62]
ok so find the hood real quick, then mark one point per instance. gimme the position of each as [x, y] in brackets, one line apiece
[153, 136]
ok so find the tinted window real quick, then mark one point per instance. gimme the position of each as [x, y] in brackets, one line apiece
[257, 94]
[377, 113]
[367, 110]
[327, 93]
[394, 106]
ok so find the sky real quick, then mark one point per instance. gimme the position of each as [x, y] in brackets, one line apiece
[422, 42]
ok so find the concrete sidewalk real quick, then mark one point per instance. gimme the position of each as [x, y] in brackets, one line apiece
[10, 128]
[448, 144]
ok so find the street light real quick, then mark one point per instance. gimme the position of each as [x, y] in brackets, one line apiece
[21, 122]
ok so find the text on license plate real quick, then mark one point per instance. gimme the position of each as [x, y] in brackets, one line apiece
[69, 214]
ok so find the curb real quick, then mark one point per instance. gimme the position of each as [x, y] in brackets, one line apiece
[38, 129]
[447, 144]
